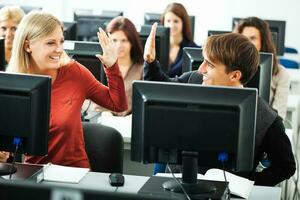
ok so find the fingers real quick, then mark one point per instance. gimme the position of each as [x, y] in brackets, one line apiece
[153, 30]
[103, 38]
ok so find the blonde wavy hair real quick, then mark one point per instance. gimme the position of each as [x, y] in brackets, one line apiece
[34, 26]
[14, 13]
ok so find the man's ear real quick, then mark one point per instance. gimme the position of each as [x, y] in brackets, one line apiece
[27, 46]
[236, 76]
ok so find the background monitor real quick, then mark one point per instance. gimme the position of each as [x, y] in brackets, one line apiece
[88, 24]
[162, 43]
[150, 18]
[25, 108]
[2, 54]
[197, 127]
[84, 53]
[216, 32]
[192, 59]
[70, 30]
[277, 28]
[26, 9]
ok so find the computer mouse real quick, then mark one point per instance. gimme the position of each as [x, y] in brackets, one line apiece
[116, 179]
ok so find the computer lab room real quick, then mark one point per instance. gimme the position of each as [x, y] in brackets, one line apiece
[149, 100]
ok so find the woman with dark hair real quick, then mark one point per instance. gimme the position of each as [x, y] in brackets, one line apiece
[177, 19]
[130, 55]
[258, 31]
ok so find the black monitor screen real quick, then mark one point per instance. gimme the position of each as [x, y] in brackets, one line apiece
[84, 53]
[172, 122]
[88, 24]
[150, 18]
[2, 54]
[192, 59]
[277, 28]
[25, 104]
[70, 30]
[162, 43]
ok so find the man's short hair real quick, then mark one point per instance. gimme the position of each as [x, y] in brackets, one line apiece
[235, 51]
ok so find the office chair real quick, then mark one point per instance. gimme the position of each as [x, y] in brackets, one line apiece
[104, 147]
[290, 50]
[287, 63]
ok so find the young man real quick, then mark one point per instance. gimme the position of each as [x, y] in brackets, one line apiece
[231, 60]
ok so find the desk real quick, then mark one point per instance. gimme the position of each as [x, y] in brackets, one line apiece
[294, 81]
[99, 181]
[293, 115]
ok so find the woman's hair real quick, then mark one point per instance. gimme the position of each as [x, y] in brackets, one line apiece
[235, 51]
[179, 10]
[34, 26]
[13, 13]
[124, 24]
[267, 44]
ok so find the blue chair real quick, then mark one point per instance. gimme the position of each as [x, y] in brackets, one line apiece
[287, 63]
[290, 50]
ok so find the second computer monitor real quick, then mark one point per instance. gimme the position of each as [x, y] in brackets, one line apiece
[2, 54]
[162, 43]
[84, 53]
[192, 59]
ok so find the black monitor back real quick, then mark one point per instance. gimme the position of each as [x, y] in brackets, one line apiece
[70, 30]
[277, 28]
[201, 120]
[150, 18]
[2, 54]
[25, 108]
[84, 53]
[192, 59]
[162, 43]
[216, 32]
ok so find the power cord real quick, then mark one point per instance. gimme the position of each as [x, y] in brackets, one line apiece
[223, 157]
[17, 142]
[182, 188]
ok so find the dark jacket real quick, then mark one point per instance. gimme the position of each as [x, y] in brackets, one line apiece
[270, 136]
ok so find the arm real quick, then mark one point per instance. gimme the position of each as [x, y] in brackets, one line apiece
[280, 86]
[112, 97]
[152, 69]
[278, 147]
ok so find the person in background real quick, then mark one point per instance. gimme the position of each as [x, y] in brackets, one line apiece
[10, 17]
[232, 60]
[38, 49]
[259, 33]
[177, 19]
[130, 56]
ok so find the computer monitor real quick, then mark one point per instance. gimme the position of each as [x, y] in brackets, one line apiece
[25, 108]
[150, 18]
[187, 123]
[26, 9]
[216, 32]
[192, 59]
[70, 30]
[84, 53]
[112, 13]
[88, 24]
[162, 43]
[2, 54]
[18, 190]
[277, 28]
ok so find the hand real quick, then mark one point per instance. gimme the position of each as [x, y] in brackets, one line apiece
[110, 51]
[4, 156]
[149, 51]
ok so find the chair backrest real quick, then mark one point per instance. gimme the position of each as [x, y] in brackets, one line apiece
[290, 50]
[104, 146]
[289, 63]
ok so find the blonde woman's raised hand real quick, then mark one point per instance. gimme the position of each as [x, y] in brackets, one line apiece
[110, 51]
[149, 51]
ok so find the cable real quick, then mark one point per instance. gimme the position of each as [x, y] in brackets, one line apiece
[223, 157]
[17, 142]
[182, 188]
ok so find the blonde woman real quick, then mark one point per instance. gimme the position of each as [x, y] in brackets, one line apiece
[10, 17]
[38, 49]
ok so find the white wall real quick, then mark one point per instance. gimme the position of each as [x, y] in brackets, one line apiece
[210, 15]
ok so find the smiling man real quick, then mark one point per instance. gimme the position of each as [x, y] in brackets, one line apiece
[232, 60]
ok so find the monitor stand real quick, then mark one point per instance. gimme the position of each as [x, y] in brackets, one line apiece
[7, 169]
[189, 177]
